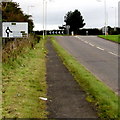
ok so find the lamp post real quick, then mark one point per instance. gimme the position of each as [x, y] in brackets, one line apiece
[105, 17]
[43, 18]
[105, 10]
[115, 18]
[29, 7]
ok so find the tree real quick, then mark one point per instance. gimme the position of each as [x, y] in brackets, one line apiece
[75, 20]
[12, 13]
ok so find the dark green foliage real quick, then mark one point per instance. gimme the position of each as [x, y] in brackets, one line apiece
[75, 20]
[12, 13]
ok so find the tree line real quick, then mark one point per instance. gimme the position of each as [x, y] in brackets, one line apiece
[75, 23]
[11, 12]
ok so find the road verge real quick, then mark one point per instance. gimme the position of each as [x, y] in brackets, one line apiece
[113, 38]
[105, 100]
[24, 83]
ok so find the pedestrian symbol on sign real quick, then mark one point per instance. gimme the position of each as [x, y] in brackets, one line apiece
[8, 31]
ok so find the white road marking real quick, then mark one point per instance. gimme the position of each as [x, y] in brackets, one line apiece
[95, 46]
[79, 38]
[91, 44]
[76, 36]
[113, 53]
[100, 48]
[86, 42]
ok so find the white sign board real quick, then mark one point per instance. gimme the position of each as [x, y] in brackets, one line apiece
[14, 29]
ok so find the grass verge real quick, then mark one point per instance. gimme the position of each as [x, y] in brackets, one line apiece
[105, 100]
[114, 38]
[23, 83]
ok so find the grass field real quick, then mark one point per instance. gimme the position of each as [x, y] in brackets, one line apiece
[114, 38]
[105, 100]
[23, 83]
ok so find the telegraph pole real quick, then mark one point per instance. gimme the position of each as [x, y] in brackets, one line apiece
[43, 19]
[105, 10]
[105, 17]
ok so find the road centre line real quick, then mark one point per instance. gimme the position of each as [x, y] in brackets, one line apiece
[100, 48]
[91, 44]
[97, 47]
[86, 42]
[113, 53]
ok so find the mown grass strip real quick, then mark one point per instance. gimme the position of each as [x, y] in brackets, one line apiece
[105, 100]
[23, 83]
[114, 38]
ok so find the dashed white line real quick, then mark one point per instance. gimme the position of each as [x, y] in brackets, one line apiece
[100, 48]
[76, 36]
[86, 42]
[79, 38]
[113, 53]
[91, 44]
[96, 46]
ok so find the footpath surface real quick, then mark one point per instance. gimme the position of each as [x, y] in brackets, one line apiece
[65, 98]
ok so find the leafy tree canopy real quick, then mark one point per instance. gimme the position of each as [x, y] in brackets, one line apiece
[75, 20]
[12, 13]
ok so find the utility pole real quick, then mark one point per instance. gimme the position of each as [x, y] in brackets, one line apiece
[105, 17]
[29, 7]
[105, 10]
[115, 17]
[43, 18]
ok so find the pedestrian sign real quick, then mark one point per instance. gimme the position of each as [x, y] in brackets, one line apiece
[14, 29]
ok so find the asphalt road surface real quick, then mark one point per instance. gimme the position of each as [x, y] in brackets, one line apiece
[99, 56]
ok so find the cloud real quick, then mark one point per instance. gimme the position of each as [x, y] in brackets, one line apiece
[91, 10]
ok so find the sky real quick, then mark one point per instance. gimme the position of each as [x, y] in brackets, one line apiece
[93, 12]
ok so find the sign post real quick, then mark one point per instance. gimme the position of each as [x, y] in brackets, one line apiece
[67, 28]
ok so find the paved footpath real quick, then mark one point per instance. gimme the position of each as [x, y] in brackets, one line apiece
[65, 98]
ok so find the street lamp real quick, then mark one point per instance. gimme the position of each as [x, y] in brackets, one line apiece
[43, 17]
[29, 7]
[105, 28]
[115, 17]
[105, 17]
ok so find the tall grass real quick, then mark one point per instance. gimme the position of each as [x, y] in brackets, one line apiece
[23, 83]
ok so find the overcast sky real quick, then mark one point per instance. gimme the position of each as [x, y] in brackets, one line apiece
[91, 10]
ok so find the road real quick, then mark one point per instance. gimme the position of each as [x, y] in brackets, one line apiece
[65, 98]
[99, 56]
